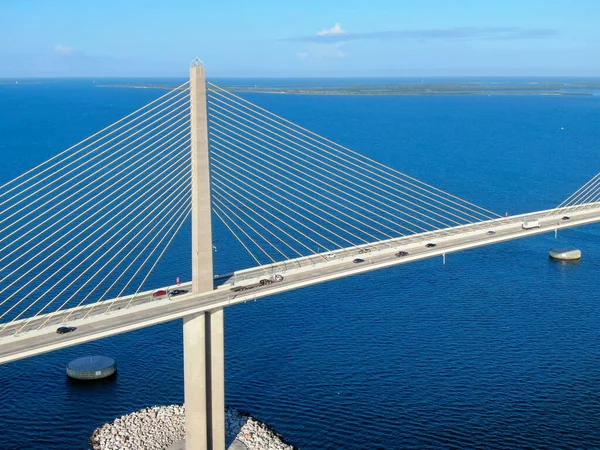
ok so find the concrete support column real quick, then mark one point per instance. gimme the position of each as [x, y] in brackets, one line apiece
[217, 379]
[202, 333]
[204, 380]
[194, 373]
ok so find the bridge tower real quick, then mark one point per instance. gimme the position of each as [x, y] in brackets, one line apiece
[203, 348]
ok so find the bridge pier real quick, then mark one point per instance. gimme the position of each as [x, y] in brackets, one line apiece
[203, 349]
[194, 374]
[204, 380]
[217, 379]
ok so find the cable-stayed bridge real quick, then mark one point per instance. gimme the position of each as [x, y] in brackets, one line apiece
[82, 233]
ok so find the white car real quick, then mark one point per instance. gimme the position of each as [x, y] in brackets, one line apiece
[330, 256]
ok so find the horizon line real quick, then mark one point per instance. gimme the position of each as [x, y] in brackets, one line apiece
[86, 77]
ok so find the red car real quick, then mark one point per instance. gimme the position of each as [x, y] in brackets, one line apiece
[159, 293]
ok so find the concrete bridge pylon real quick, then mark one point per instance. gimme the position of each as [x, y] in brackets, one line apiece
[203, 347]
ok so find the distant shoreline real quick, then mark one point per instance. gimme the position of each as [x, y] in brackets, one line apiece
[400, 89]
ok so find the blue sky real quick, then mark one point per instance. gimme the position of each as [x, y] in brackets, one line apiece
[308, 38]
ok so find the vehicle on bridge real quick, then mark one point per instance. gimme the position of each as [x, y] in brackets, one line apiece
[401, 253]
[364, 250]
[273, 279]
[64, 330]
[159, 293]
[430, 245]
[358, 260]
[175, 292]
[264, 282]
[530, 224]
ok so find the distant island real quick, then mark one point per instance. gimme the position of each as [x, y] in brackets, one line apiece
[429, 88]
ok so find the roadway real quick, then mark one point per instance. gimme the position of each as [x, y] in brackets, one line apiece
[38, 335]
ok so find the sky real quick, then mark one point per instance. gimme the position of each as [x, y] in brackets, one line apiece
[291, 38]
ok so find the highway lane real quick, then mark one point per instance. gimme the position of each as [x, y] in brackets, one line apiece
[95, 309]
[146, 310]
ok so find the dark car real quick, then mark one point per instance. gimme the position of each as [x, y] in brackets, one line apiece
[491, 232]
[159, 293]
[63, 330]
[177, 292]
[565, 218]
[402, 253]
[358, 260]
[430, 245]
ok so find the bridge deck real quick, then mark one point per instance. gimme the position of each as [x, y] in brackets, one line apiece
[146, 310]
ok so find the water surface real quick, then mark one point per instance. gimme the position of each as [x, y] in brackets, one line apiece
[499, 348]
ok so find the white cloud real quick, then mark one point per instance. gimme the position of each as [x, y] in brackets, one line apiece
[323, 51]
[336, 29]
[63, 49]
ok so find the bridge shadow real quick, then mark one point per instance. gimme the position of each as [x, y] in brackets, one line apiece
[234, 422]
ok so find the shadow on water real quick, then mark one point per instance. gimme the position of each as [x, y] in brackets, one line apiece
[564, 267]
[563, 262]
[87, 386]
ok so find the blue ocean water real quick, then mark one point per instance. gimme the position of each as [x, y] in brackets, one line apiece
[499, 348]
